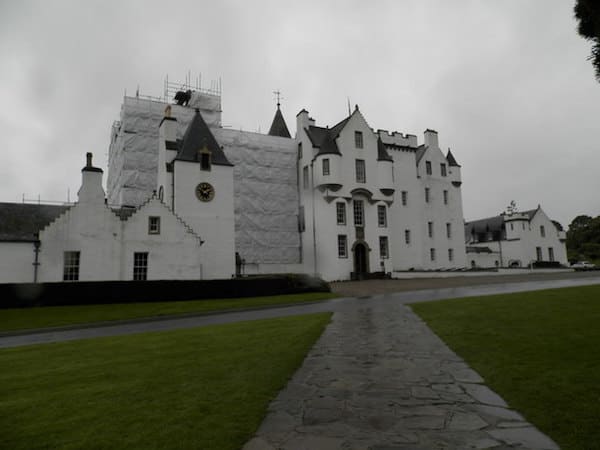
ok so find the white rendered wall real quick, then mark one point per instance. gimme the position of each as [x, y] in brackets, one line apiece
[213, 221]
[16, 263]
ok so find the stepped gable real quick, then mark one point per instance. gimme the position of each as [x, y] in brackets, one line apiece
[197, 137]
[21, 222]
[279, 127]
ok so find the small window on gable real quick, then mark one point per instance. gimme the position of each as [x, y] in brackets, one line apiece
[300, 150]
[358, 139]
[204, 157]
[428, 167]
[153, 225]
[542, 231]
[443, 169]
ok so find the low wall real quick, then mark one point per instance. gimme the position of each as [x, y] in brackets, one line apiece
[21, 295]
[474, 273]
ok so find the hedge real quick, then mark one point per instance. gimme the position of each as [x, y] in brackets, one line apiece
[22, 295]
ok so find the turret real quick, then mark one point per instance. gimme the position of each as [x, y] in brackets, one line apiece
[91, 183]
[453, 169]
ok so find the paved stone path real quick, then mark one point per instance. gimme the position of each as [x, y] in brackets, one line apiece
[380, 379]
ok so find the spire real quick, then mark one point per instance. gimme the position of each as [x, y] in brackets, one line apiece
[198, 137]
[278, 127]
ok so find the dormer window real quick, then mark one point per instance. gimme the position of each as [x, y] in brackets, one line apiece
[153, 225]
[204, 158]
[358, 139]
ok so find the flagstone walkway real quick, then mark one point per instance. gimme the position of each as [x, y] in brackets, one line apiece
[380, 379]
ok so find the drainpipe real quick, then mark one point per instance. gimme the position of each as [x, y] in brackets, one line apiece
[312, 193]
[36, 261]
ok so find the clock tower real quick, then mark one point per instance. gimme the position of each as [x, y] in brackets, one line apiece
[196, 181]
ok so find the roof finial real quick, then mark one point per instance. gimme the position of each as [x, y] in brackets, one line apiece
[279, 97]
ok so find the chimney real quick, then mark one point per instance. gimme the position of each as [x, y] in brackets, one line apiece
[91, 183]
[431, 138]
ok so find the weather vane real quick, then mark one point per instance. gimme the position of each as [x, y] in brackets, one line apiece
[279, 97]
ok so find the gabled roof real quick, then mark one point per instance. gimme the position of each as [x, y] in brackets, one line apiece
[198, 136]
[451, 160]
[489, 224]
[278, 127]
[421, 149]
[20, 222]
[324, 138]
[382, 154]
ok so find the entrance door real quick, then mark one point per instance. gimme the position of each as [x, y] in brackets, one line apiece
[360, 260]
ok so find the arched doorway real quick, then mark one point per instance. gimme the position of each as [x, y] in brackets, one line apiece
[361, 260]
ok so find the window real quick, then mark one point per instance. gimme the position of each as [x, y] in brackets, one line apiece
[359, 213]
[383, 247]
[71, 266]
[342, 246]
[443, 169]
[432, 254]
[445, 197]
[340, 212]
[361, 176]
[542, 231]
[404, 198]
[428, 167]
[511, 227]
[300, 150]
[301, 220]
[426, 195]
[381, 216]
[407, 236]
[430, 229]
[538, 253]
[204, 159]
[450, 254]
[358, 139]
[449, 230]
[326, 166]
[140, 266]
[161, 193]
[153, 225]
[550, 253]
[305, 177]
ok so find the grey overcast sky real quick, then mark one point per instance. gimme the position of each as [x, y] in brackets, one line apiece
[506, 84]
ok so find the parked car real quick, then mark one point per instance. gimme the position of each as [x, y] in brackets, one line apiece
[584, 265]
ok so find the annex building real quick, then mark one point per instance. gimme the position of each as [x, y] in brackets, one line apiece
[188, 198]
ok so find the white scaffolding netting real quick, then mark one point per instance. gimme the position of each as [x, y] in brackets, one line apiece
[264, 173]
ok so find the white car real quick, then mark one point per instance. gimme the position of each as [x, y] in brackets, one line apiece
[583, 265]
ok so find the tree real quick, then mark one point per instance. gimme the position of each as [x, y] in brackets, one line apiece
[587, 12]
[583, 238]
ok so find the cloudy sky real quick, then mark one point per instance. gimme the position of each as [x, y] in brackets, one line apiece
[506, 84]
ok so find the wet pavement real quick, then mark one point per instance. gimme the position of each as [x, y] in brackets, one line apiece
[379, 378]
[333, 305]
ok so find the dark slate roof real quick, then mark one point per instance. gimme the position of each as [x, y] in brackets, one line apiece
[278, 127]
[382, 154]
[489, 224]
[20, 222]
[421, 149]
[558, 226]
[125, 212]
[474, 249]
[198, 136]
[324, 138]
[451, 160]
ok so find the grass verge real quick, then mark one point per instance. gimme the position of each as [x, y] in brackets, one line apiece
[196, 388]
[539, 350]
[55, 316]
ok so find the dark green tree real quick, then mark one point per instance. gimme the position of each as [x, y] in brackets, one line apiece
[587, 12]
[583, 238]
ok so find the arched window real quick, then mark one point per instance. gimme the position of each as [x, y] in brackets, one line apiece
[161, 193]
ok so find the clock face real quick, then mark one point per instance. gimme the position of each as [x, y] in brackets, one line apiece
[205, 192]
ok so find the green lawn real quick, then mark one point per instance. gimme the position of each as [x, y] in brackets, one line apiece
[53, 316]
[539, 350]
[202, 388]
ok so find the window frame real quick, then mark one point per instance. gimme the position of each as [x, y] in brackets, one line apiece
[428, 169]
[427, 195]
[404, 195]
[358, 139]
[407, 237]
[325, 166]
[445, 194]
[432, 254]
[340, 213]
[384, 247]
[450, 254]
[358, 213]
[443, 170]
[140, 266]
[71, 265]
[154, 228]
[551, 253]
[539, 255]
[449, 230]
[305, 177]
[430, 229]
[542, 231]
[342, 243]
[382, 216]
[360, 170]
